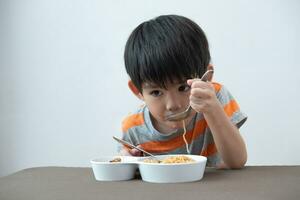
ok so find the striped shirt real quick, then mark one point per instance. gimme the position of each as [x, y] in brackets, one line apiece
[138, 129]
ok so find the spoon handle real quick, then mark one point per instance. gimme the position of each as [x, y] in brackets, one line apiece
[132, 146]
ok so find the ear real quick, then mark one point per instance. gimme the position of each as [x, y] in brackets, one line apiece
[210, 75]
[135, 91]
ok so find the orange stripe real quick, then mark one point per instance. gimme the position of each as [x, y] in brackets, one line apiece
[177, 142]
[210, 150]
[132, 120]
[231, 108]
[217, 86]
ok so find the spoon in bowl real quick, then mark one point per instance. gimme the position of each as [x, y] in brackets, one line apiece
[185, 114]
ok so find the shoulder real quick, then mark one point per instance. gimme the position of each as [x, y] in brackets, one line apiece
[222, 92]
[230, 105]
[220, 89]
[134, 119]
[217, 86]
[224, 96]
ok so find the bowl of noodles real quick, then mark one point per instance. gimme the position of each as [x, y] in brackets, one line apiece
[172, 168]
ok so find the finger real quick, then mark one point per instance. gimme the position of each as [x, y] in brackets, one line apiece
[135, 152]
[140, 153]
[197, 107]
[191, 81]
[195, 102]
[199, 93]
[200, 84]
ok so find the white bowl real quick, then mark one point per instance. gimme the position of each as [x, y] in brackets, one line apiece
[114, 171]
[175, 172]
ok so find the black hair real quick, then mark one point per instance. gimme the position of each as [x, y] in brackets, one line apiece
[166, 49]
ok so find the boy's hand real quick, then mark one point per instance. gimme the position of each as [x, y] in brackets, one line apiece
[202, 97]
[131, 152]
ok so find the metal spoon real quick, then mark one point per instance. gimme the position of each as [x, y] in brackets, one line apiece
[185, 114]
[135, 147]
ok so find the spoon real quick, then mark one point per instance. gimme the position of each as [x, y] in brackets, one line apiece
[135, 147]
[185, 114]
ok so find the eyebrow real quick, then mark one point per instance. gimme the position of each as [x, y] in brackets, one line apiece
[150, 86]
[153, 86]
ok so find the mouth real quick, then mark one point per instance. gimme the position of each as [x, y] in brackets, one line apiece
[170, 114]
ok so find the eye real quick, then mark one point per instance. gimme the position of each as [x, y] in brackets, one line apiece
[156, 93]
[184, 88]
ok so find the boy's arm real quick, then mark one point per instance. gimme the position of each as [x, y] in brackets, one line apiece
[227, 138]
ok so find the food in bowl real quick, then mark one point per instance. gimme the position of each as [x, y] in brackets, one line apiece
[191, 168]
[171, 159]
[115, 160]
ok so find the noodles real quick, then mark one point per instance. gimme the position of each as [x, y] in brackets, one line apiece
[177, 159]
[184, 139]
[171, 160]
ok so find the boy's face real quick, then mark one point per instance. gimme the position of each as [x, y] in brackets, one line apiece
[163, 102]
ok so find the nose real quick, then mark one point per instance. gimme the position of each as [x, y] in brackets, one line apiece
[173, 103]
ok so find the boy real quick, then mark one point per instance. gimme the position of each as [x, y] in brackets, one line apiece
[164, 58]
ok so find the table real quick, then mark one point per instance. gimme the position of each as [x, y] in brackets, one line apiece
[65, 183]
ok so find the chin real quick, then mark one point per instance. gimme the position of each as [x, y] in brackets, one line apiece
[176, 125]
[179, 124]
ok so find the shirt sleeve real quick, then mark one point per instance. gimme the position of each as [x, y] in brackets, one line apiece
[128, 124]
[231, 107]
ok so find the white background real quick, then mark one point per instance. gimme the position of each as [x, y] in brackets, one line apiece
[63, 86]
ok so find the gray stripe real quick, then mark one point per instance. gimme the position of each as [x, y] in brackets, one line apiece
[224, 96]
[238, 118]
[213, 160]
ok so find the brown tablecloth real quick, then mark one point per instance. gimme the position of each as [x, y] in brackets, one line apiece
[55, 183]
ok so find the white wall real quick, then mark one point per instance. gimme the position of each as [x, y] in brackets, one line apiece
[63, 86]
